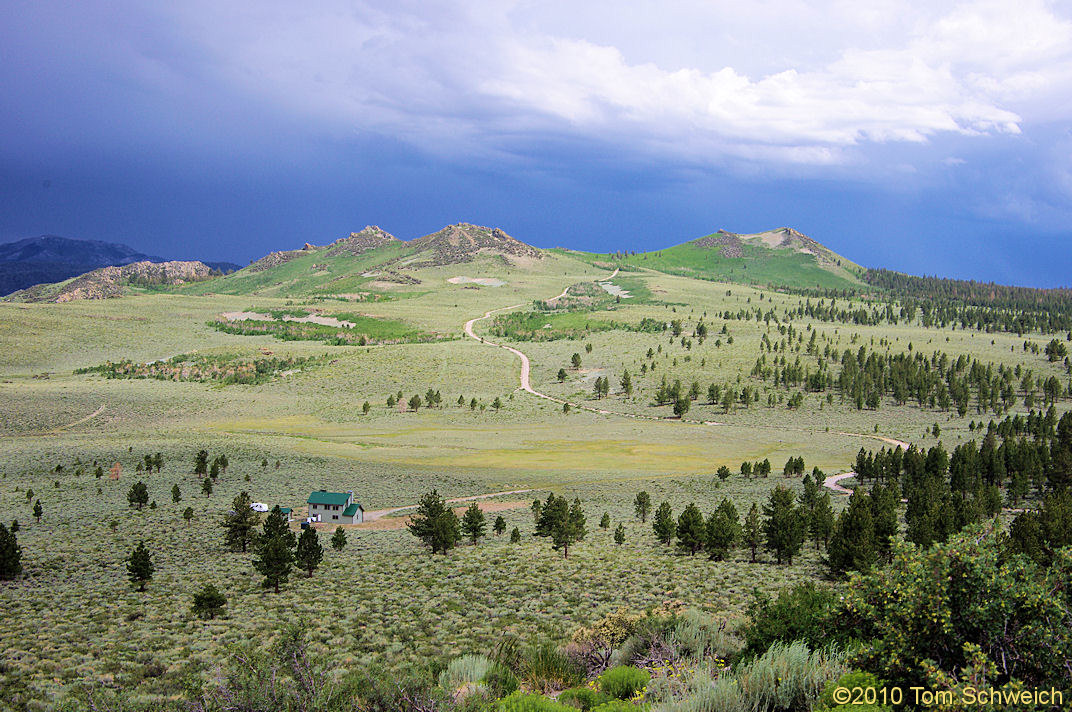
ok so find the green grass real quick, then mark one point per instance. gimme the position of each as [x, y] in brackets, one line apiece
[74, 617]
[358, 329]
[756, 266]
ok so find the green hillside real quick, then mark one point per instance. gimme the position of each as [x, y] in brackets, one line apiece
[372, 265]
[776, 258]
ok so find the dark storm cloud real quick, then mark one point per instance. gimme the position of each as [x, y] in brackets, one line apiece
[926, 137]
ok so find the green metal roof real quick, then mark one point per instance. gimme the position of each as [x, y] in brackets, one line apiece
[322, 497]
[285, 510]
[352, 510]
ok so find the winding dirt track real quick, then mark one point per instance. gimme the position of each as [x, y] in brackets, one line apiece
[830, 482]
[92, 415]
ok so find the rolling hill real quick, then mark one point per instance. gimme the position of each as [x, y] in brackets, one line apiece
[372, 263]
[782, 257]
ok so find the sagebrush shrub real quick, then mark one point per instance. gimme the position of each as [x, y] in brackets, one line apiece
[623, 681]
[584, 698]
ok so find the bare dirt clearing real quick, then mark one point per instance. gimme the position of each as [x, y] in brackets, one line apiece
[308, 319]
[386, 523]
[484, 281]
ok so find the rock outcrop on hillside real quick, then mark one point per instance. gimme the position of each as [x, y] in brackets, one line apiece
[108, 282]
[730, 243]
[463, 242]
[274, 259]
[367, 239]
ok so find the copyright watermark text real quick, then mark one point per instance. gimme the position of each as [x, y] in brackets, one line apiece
[924, 697]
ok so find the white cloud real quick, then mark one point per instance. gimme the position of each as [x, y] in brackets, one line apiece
[771, 81]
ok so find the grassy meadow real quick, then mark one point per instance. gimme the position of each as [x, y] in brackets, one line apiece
[73, 617]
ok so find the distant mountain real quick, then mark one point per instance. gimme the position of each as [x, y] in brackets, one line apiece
[50, 258]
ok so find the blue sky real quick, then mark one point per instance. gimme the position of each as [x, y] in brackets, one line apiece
[933, 138]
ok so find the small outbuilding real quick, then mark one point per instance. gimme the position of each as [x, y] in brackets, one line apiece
[337, 507]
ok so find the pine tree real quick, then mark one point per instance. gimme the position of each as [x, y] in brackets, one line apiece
[690, 529]
[515, 535]
[821, 521]
[566, 524]
[681, 406]
[852, 545]
[309, 552]
[497, 404]
[188, 514]
[176, 495]
[627, 383]
[434, 523]
[664, 524]
[38, 510]
[10, 553]
[224, 462]
[537, 508]
[719, 535]
[932, 511]
[500, 525]
[784, 528]
[722, 530]
[276, 527]
[619, 534]
[240, 524]
[723, 472]
[474, 525]
[206, 487]
[642, 506]
[201, 463]
[275, 559]
[577, 519]
[752, 532]
[604, 522]
[140, 566]
[884, 502]
[338, 539]
[208, 602]
[415, 403]
[562, 375]
[138, 496]
[550, 511]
